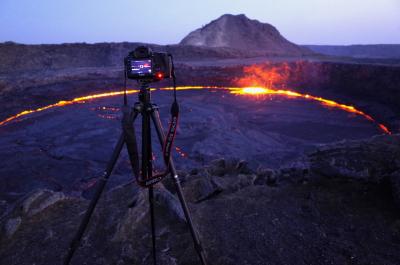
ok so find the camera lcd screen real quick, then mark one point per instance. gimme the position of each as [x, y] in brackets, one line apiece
[142, 67]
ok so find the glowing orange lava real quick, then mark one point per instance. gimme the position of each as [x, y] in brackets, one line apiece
[266, 91]
[65, 103]
[252, 91]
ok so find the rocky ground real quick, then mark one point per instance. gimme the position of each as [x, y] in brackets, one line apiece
[337, 205]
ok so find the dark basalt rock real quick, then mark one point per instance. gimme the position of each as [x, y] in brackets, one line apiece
[266, 176]
[395, 183]
[332, 218]
[11, 226]
[40, 200]
[376, 160]
[370, 160]
[222, 166]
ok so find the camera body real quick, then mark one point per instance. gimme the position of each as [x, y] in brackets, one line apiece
[144, 64]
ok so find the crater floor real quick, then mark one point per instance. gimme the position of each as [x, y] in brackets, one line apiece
[66, 148]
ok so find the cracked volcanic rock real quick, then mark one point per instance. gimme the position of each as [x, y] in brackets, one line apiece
[308, 216]
[372, 160]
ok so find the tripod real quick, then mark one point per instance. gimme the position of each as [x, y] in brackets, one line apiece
[149, 112]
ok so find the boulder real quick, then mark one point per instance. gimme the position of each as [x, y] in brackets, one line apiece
[266, 176]
[40, 200]
[221, 167]
[371, 160]
[233, 183]
[133, 217]
[169, 204]
[167, 207]
[200, 188]
[11, 226]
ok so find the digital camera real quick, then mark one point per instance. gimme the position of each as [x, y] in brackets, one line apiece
[144, 64]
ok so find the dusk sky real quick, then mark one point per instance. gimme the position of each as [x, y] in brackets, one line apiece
[167, 22]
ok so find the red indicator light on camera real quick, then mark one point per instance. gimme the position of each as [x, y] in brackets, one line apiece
[159, 75]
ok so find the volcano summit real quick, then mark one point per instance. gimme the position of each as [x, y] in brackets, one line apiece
[242, 33]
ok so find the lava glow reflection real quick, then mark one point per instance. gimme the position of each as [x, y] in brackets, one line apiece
[249, 91]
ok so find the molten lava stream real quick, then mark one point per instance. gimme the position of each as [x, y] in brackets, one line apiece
[261, 91]
[250, 91]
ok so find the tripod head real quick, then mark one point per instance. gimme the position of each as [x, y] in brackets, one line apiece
[144, 95]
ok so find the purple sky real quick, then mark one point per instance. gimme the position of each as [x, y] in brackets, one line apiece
[167, 22]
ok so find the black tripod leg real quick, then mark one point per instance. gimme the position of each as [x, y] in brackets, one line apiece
[147, 172]
[128, 119]
[160, 132]
[153, 226]
[100, 187]
[131, 145]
